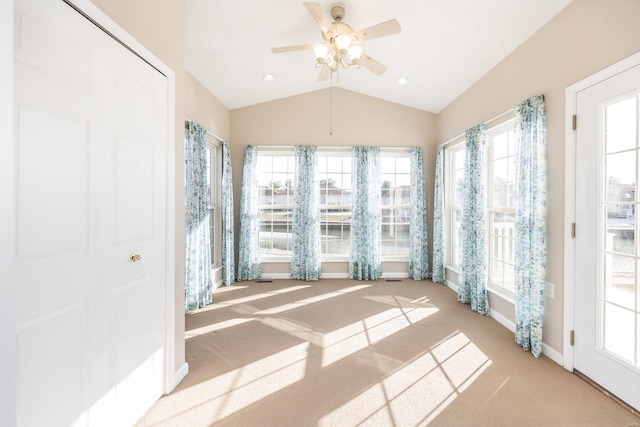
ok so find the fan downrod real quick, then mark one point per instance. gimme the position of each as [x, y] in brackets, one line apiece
[337, 12]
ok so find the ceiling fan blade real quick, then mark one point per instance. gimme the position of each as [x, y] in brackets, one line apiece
[325, 73]
[373, 65]
[379, 30]
[320, 16]
[293, 48]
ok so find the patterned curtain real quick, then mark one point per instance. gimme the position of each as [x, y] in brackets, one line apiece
[305, 256]
[228, 270]
[418, 253]
[438, 220]
[531, 205]
[365, 262]
[472, 284]
[249, 267]
[198, 284]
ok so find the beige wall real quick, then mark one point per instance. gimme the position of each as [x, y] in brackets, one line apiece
[204, 109]
[304, 120]
[586, 37]
[159, 26]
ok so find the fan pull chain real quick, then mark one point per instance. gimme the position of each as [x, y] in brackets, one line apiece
[331, 105]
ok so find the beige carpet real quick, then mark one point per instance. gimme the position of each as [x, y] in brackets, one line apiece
[355, 353]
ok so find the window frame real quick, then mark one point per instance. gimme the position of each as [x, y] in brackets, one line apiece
[287, 152]
[342, 152]
[450, 206]
[491, 134]
[214, 173]
[324, 257]
[395, 207]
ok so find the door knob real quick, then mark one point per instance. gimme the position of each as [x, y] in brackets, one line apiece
[135, 258]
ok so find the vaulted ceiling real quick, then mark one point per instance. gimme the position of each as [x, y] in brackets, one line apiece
[444, 46]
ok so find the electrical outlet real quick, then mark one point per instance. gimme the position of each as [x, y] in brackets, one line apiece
[548, 290]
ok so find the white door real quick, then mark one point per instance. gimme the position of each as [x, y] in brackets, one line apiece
[607, 298]
[91, 143]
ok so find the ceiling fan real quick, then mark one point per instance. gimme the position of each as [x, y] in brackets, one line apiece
[341, 45]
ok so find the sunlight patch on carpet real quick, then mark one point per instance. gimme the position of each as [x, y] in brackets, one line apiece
[352, 338]
[226, 304]
[191, 333]
[242, 387]
[419, 391]
[307, 301]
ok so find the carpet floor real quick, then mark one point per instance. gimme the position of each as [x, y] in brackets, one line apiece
[355, 353]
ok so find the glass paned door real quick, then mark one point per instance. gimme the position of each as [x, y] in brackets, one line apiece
[607, 255]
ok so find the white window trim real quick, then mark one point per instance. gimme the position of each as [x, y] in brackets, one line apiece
[385, 152]
[502, 127]
[448, 202]
[215, 177]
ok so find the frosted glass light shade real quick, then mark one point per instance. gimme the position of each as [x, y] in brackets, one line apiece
[355, 52]
[343, 42]
[322, 51]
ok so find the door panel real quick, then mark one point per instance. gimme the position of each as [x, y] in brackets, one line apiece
[607, 310]
[91, 140]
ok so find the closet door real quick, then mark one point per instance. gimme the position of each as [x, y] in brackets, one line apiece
[91, 141]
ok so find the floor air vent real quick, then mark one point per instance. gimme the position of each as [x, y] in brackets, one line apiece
[264, 281]
[393, 280]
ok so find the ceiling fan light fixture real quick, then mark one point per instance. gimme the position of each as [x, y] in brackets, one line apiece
[355, 51]
[402, 81]
[343, 42]
[322, 52]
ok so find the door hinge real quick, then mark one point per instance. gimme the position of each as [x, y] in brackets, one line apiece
[572, 337]
[573, 230]
[574, 123]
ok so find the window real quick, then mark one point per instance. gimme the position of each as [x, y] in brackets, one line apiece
[275, 171]
[501, 184]
[395, 203]
[501, 175]
[213, 184]
[454, 183]
[334, 174]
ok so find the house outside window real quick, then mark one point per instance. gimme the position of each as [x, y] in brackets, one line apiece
[501, 176]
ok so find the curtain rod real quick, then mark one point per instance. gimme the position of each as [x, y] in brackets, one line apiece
[213, 135]
[499, 116]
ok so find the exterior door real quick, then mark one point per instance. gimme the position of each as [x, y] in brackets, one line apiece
[607, 310]
[91, 142]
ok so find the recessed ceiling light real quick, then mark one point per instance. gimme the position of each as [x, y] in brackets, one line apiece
[402, 81]
[268, 77]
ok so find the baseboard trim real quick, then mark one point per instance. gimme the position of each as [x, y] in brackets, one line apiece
[334, 276]
[503, 320]
[552, 354]
[275, 276]
[396, 275]
[452, 286]
[181, 373]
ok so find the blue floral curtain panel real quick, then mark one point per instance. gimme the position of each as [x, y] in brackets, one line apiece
[472, 283]
[249, 267]
[305, 256]
[365, 262]
[198, 284]
[228, 270]
[419, 249]
[438, 269]
[531, 205]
